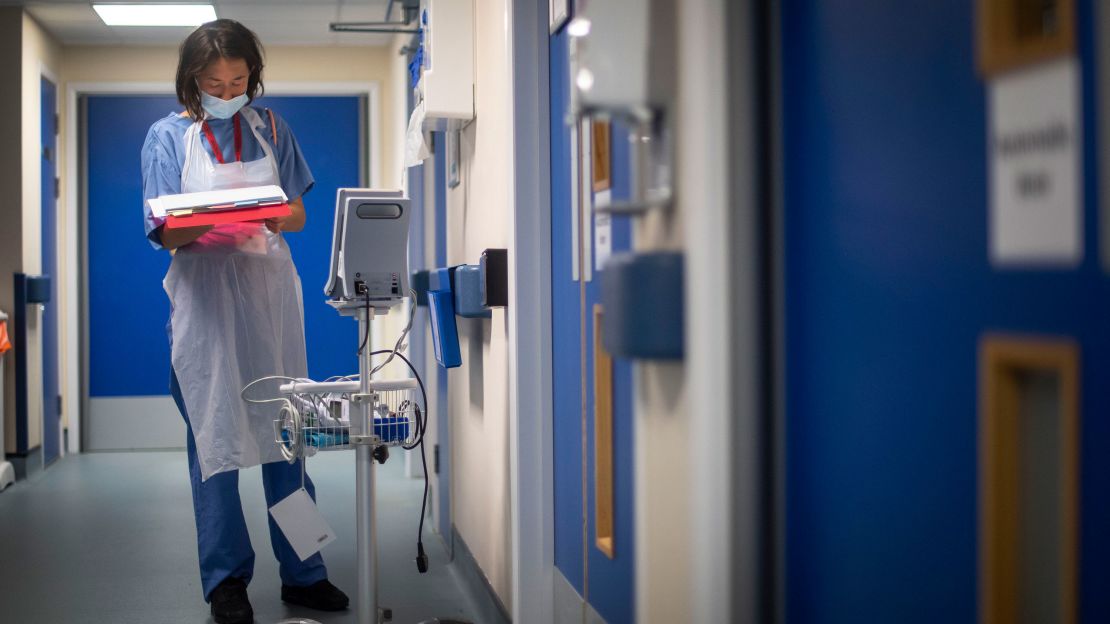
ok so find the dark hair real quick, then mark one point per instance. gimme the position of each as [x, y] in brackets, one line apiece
[223, 38]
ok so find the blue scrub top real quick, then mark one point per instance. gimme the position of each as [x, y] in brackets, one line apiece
[164, 156]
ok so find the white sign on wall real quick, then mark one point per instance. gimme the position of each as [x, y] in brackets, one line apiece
[1034, 146]
[603, 230]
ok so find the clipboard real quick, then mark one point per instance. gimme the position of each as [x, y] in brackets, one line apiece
[218, 217]
[253, 203]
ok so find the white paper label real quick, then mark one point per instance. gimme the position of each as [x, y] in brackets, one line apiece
[603, 230]
[1035, 143]
[586, 188]
[302, 524]
[575, 192]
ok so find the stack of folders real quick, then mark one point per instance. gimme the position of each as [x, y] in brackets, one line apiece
[253, 203]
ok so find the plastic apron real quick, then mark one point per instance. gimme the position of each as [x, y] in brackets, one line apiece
[236, 314]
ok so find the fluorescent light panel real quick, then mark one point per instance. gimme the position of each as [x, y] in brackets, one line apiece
[155, 14]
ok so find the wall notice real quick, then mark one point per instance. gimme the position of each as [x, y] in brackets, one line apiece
[1034, 146]
[603, 230]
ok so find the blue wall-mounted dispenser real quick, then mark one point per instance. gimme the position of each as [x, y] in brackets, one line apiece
[642, 295]
[29, 290]
[468, 292]
[38, 288]
[441, 304]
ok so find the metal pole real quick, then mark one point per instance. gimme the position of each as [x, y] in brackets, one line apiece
[367, 595]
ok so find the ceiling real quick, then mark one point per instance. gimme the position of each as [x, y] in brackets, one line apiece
[277, 22]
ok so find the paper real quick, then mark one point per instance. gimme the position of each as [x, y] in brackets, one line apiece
[302, 524]
[603, 230]
[574, 193]
[229, 199]
[586, 188]
[174, 221]
[1035, 143]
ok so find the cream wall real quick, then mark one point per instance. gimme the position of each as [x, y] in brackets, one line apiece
[479, 214]
[41, 55]
[298, 64]
[11, 178]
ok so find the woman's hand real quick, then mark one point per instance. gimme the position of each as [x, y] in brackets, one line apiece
[179, 237]
[294, 222]
[276, 224]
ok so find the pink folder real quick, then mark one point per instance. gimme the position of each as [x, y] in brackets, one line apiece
[217, 217]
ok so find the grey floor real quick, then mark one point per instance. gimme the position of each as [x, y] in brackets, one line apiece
[110, 537]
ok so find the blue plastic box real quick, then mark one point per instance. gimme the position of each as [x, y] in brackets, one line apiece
[441, 308]
[642, 295]
[468, 292]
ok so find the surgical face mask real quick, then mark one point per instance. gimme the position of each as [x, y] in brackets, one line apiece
[222, 109]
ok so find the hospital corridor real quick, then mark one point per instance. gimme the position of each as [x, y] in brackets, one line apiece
[554, 311]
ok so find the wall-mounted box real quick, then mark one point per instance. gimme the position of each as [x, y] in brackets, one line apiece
[447, 79]
[623, 60]
[37, 288]
[467, 286]
[418, 281]
[642, 295]
[494, 267]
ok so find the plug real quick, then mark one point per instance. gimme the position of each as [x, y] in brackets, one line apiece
[421, 558]
[380, 453]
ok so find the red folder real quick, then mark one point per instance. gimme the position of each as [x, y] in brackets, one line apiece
[217, 217]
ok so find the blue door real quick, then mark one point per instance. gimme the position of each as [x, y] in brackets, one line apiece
[128, 348]
[611, 590]
[51, 399]
[888, 290]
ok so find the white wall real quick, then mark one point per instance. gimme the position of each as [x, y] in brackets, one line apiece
[479, 217]
[664, 520]
[685, 520]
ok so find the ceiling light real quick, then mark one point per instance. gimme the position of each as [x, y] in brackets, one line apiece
[155, 14]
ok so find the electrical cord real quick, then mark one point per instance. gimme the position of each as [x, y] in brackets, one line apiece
[421, 426]
[366, 333]
[292, 447]
[400, 345]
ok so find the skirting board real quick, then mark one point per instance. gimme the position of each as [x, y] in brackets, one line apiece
[568, 604]
[27, 466]
[490, 608]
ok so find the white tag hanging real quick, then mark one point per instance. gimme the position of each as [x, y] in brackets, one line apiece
[302, 524]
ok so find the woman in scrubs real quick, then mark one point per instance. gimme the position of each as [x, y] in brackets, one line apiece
[236, 310]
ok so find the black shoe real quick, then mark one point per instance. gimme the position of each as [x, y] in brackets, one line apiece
[230, 604]
[321, 595]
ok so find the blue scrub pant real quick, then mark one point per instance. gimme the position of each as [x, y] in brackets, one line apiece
[222, 540]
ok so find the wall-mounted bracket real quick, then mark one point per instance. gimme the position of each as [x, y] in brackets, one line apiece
[409, 10]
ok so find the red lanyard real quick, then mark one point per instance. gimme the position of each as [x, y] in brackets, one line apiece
[216, 148]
